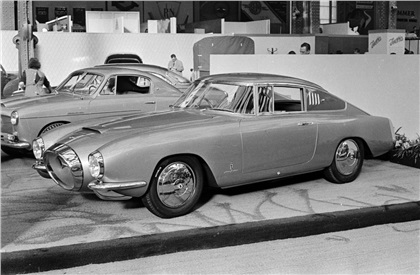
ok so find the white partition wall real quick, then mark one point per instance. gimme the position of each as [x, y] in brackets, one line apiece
[110, 21]
[383, 85]
[281, 44]
[338, 28]
[253, 27]
[61, 53]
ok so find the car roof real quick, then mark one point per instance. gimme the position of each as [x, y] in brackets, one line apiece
[146, 67]
[256, 78]
[134, 65]
[108, 70]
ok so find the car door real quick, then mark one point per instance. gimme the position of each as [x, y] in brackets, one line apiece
[276, 138]
[129, 94]
[165, 95]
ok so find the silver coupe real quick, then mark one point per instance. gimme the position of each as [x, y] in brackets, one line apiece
[96, 92]
[226, 130]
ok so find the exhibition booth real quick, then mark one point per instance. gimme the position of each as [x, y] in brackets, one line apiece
[377, 81]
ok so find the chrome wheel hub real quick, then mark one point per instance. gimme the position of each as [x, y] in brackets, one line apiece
[347, 157]
[176, 184]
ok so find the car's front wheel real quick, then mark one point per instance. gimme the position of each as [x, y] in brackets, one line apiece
[51, 126]
[43, 174]
[175, 188]
[347, 162]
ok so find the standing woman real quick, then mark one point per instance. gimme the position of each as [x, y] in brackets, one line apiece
[33, 79]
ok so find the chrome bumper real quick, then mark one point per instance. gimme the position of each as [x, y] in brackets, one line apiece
[9, 140]
[101, 186]
[39, 166]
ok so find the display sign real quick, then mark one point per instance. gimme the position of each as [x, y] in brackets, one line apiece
[60, 11]
[386, 41]
[168, 9]
[364, 5]
[42, 14]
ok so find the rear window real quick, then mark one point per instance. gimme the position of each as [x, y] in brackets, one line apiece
[123, 58]
[321, 101]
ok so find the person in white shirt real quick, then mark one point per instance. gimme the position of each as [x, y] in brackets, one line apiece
[175, 65]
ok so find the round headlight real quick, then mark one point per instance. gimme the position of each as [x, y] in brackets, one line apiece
[38, 148]
[96, 165]
[14, 117]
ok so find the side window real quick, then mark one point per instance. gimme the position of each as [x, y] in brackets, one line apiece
[322, 101]
[131, 84]
[109, 88]
[81, 83]
[287, 99]
[265, 99]
[243, 101]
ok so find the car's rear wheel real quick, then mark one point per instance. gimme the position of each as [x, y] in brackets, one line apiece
[175, 188]
[347, 162]
[51, 126]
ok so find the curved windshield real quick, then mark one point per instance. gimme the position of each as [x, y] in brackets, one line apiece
[218, 96]
[81, 83]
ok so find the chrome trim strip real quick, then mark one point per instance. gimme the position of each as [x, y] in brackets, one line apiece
[99, 185]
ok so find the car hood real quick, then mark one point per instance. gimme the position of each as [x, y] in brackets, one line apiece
[94, 136]
[148, 121]
[19, 102]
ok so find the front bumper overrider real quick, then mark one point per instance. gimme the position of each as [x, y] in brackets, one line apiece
[40, 166]
[133, 188]
[10, 140]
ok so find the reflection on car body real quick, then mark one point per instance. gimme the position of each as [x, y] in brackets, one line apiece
[226, 130]
[81, 96]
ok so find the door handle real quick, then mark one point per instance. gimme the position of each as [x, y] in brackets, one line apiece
[305, 123]
[150, 102]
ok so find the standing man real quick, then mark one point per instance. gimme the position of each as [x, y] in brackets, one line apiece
[175, 65]
[305, 48]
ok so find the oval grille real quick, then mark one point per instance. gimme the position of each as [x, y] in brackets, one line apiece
[64, 167]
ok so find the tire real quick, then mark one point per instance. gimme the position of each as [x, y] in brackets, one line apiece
[44, 174]
[51, 126]
[175, 188]
[347, 163]
[16, 152]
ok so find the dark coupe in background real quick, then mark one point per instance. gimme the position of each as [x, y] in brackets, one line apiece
[226, 130]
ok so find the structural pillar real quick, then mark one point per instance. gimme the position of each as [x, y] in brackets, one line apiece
[392, 18]
[315, 20]
[24, 42]
[381, 15]
[305, 17]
